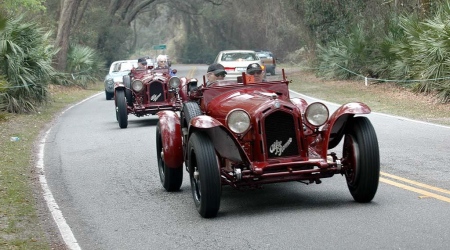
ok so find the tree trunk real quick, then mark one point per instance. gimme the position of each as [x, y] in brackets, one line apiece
[68, 9]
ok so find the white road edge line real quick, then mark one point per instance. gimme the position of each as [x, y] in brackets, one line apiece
[57, 215]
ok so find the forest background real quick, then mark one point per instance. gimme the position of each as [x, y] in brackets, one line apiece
[70, 42]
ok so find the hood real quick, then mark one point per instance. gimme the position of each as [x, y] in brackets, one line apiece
[253, 100]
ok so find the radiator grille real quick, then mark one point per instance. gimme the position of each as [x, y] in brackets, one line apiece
[156, 92]
[281, 139]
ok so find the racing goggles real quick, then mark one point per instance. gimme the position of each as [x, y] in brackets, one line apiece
[256, 72]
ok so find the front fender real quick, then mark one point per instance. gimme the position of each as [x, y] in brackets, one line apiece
[119, 85]
[171, 137]
[225, 143]
[300, 103]
[334, 129]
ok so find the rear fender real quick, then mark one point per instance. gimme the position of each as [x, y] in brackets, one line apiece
[171, 137]
[224, 141]
[334, 129]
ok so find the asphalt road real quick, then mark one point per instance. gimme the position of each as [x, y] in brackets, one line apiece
[107, 193]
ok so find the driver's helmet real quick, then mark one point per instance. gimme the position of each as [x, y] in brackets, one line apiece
[253, 67]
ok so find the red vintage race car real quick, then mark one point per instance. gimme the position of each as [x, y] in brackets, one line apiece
[249, 134]
[148, 91]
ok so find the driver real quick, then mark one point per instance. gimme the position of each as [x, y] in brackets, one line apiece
[215, 72]
[256, 73]
[142, 63]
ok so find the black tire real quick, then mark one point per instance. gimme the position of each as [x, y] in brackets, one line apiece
[109, 96]
[121, 109]
[362, 159]
[204, 175]
[273, 72]
[171, 178]
[189, 111]
[128, 94]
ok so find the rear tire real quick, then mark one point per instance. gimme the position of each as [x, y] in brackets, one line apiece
[189, 111]
[171, 178]
[362, 159]
[204, 175]
[121, 109]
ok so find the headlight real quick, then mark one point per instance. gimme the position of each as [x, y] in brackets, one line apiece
[238, 121]
[137, 85]
[174, 82]
[316, 114]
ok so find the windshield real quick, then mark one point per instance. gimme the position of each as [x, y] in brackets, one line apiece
[239, 56]
[127, 66]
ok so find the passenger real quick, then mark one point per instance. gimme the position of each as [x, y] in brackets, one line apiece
[161, 60]
[215, 72]
[256, 73]
[142, 63]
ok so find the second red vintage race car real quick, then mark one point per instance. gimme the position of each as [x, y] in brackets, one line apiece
[148, 91]
[249, 134]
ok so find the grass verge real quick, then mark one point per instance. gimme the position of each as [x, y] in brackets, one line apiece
[23, 218]
[380, 97]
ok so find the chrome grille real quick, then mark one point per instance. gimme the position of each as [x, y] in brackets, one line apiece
[281, 139]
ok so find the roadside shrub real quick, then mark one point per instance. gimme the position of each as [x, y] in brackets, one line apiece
[348, 57]
[423, 54]
[83, 65]
[25, 62]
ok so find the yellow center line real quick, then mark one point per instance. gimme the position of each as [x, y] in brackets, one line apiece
[441, 190]
[191, 72]
[416, 190]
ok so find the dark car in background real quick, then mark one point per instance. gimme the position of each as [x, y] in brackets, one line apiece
[268, 60]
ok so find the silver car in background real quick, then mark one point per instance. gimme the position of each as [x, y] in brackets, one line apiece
[116, 72]
[236, 61]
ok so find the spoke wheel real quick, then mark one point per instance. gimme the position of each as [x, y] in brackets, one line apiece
[204, 175]
[171, 178]
[361, 158]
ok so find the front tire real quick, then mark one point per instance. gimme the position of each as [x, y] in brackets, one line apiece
[108, 95]
[171, 178]
[121, 109]
[128, 94]
[362, 159]
[204, 175]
